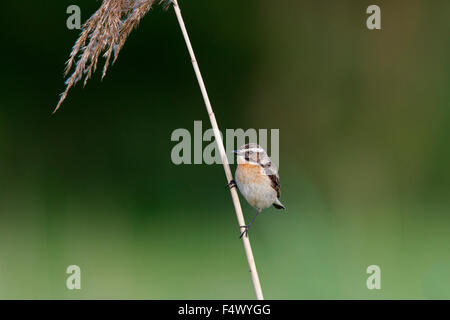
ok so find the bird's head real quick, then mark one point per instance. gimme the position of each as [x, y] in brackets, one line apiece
[252, 153]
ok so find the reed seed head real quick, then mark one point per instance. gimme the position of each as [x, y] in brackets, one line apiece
[104, 32]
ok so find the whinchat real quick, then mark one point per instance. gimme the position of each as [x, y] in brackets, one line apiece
[257, 179]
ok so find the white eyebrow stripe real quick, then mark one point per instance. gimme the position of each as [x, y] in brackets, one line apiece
[255, 149]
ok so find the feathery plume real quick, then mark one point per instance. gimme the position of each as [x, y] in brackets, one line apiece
[104, 32]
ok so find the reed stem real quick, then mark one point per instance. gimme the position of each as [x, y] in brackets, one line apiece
[226, 166]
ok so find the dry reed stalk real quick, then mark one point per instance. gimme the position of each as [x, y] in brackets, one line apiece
[223, 155]
[106, 31]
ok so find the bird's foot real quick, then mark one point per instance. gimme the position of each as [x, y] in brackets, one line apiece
[231, 185]
[246, 228]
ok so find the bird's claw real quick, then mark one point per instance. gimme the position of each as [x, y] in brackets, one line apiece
[244, 232]
[231, 185]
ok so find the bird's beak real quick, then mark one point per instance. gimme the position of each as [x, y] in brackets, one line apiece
[235, 151]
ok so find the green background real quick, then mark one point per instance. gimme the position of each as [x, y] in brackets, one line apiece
[364, 123]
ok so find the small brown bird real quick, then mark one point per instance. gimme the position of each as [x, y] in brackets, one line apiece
[257, 179]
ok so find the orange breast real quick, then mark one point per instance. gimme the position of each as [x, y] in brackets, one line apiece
[250, 173]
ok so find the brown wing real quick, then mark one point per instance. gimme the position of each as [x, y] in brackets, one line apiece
[276, 184]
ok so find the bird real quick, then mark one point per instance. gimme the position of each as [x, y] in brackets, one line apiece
[257, 179]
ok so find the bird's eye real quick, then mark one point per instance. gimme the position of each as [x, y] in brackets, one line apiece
[250, 152]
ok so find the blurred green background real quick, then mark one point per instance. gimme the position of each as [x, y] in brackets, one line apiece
[364, 123]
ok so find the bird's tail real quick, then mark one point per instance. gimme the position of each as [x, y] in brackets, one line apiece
[277, 204]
